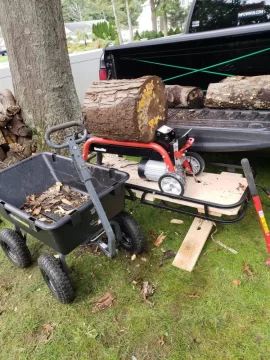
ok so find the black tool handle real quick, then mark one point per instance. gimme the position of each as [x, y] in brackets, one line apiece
[62, 127]
[249, 176]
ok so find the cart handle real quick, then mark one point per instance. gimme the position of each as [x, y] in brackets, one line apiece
[249, 176]
[61, 127]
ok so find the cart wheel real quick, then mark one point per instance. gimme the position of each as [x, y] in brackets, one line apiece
[172, 183]
[132, 236]
[197, 163]
[56, 278]
[15, 248]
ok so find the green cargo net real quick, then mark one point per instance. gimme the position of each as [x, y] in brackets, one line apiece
[204, 70]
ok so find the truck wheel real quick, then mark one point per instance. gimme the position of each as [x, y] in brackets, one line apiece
[172, 183]
[197, 163]
[15, 248]
[132, 236]
[56, 278]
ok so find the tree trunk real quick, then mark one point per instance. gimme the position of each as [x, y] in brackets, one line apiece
[126, 110]
[117, 23]
[184, 96]
[165, 24]
[153, 15]
[240, 92]
[129, 22]
[35, 38]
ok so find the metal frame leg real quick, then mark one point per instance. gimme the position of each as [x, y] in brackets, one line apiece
[64, 264]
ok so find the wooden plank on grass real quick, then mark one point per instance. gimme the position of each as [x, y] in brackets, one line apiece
[193, 244]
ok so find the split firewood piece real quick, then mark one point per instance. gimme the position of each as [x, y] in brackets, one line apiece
[2, 154]
[9, 137]
[9, 103]
[2, 138]
[184, 96]
[127, 110]
[3, 120]
[17, 127]
[240, 92]
[29, 145]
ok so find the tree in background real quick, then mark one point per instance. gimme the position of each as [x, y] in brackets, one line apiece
[117, 24]
[129, 21]
[153, 15]
[82, 35]
[104, 30]
[42, 78]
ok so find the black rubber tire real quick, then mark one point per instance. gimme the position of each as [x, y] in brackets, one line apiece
[132, 237]
[15, 248]
[200, 161]
[56, 278]
[181, 181]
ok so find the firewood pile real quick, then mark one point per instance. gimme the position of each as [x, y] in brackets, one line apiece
[59, 200]
[16, 141]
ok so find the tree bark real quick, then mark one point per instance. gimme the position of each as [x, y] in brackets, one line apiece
[35, 39]
[117, 23]
[126, 110]
[240, 92]
[129, 22]
[184, 96]
[153, 15]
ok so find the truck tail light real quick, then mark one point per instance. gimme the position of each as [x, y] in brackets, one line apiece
[102, 74]
[102, 69]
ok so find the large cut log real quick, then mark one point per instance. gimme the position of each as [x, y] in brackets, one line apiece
[8, 102]
[127, 110]
[184, 96]
[17, 127]
[240, 92]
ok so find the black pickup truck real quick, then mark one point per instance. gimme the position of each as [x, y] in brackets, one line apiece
[221, 37]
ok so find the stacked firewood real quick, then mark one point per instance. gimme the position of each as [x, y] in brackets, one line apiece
[16, 141]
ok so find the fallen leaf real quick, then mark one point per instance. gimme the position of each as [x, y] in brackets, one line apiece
[144, 259]
[176, 221]
[152, 235]
[246, 268]
[103, 302]
[92, 274]
[161, 341]
[29, 277]
[66, 201]
[236, 283]
[169, 254]
[36, 211]
[133, 257]
[46, 333]
[134, 282]
[16, 309]
[58, 183]
[160, 239]
[194, 296]
[147, 290]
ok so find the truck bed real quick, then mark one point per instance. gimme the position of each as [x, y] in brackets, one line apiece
[223, 130]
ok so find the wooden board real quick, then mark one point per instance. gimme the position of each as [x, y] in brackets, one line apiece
[193, 244]
[224, 189]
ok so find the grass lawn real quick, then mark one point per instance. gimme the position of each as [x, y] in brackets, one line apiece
[3, 59]
[222, 322]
